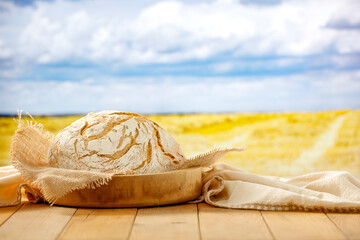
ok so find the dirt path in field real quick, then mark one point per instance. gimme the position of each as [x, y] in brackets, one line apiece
[325, 141]
[246, 132]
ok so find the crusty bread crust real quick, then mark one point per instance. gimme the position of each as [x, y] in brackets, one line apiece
[111, 141]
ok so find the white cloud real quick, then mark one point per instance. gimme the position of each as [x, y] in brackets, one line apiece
[4, 52]
[171, 31]
[345, 18]
[312, 91]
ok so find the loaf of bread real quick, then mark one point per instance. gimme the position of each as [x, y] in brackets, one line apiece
[111, 141]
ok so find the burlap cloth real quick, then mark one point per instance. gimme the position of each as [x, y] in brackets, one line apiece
[223, 185]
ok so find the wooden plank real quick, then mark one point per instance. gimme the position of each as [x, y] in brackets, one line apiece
[170, 222]
[36, 221]
[348, 223]
[100, 224]
[220, 223]
[301, 225]
[6, 212]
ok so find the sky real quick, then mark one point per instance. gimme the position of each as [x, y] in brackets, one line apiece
[147, 56]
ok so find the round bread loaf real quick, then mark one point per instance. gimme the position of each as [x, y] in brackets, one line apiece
[111, 141]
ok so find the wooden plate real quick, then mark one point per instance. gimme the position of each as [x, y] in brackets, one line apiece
[139, 190]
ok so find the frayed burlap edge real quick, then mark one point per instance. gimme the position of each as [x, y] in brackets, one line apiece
[93, 184]
[210, 157]
[37, 172]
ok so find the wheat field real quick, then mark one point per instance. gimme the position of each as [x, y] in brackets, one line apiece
[280, 144]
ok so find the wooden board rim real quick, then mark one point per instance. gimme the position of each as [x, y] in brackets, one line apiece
[140, 190]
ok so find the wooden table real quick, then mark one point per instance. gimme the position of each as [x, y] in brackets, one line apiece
[186, 221]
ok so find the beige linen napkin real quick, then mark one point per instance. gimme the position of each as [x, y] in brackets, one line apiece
[10, 179]
[11, 184]
[230, 187]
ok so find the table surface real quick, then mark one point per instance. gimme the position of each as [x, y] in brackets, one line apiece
[185, 221]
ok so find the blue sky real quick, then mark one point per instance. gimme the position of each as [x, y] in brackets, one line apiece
[79, 56]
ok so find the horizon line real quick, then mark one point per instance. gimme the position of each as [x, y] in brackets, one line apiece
[184, 113]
